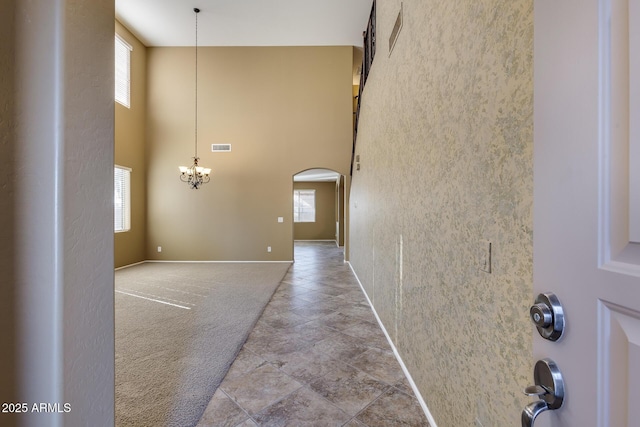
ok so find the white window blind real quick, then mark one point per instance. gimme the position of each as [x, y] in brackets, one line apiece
[304, 205]
[122, 199]
[123, 71]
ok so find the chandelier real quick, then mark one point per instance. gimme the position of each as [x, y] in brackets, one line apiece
[195, 175]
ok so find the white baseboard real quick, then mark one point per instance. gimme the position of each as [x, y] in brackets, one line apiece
[423, 404]
[130, 265]
[202, 262]
[219, 262]
[321, 240]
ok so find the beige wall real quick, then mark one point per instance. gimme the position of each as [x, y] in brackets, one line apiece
[324, 228]
[130, 152]
[445, 144]
[283, 110]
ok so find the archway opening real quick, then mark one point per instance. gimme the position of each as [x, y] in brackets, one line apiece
[319, 206]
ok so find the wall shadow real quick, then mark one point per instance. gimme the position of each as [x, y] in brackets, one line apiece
[9, 387]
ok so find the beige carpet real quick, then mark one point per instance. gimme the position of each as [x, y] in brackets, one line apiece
[178, 328]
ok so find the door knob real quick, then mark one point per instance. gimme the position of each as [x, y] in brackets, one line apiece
[549, 387]
[548, 316]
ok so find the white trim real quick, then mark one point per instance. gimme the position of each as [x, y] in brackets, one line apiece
[129, 265]
[220, 262]
[122, 167]
[604, 119]
[634, 127]
[423, 404]
[321, 240]
[622, 268]
[124, 42]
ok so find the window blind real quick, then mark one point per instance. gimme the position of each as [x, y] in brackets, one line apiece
[304, 205]
[122, 199]
[123, 72]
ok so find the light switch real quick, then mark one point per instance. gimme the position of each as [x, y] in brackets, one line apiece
[280, 219]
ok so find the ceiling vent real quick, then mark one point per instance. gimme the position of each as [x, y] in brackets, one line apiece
[220, 148]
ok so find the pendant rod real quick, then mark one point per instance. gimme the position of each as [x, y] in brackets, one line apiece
[196, 10]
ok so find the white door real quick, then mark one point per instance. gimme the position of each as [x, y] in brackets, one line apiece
[586, 168]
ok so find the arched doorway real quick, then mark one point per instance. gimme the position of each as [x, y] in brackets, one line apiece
[319, 204]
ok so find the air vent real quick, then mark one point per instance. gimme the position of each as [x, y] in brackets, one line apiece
[220, 148]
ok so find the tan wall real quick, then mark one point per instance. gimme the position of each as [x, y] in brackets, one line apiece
[324, 228]
[445, 144]
[283, 110]
[130, 152]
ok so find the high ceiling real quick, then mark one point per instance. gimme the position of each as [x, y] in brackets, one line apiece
[246, 22]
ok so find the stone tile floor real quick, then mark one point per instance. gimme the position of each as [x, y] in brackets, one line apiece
[316, 357]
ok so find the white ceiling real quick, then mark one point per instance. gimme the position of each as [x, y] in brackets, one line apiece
[246, 22]
[315, 175]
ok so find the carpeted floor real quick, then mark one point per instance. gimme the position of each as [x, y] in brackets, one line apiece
[179, 327]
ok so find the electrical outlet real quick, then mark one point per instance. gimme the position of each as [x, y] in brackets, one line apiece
[268, 248]
[280, 219]
[159, 248]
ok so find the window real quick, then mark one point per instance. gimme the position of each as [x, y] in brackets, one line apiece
[304, 205]
[122, 199]
[123, 71]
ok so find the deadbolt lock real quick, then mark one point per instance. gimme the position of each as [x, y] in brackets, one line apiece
[548, 316]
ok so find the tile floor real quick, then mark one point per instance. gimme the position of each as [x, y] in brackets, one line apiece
[316, 357]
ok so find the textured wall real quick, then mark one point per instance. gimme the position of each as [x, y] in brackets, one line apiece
[445, 144]
[59, 144]
[88, 328]
[130, 152]
[282, 109]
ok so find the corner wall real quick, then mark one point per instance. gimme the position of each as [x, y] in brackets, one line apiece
[282, 109]
[58, 275]
[445, 143]
[130, 152]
